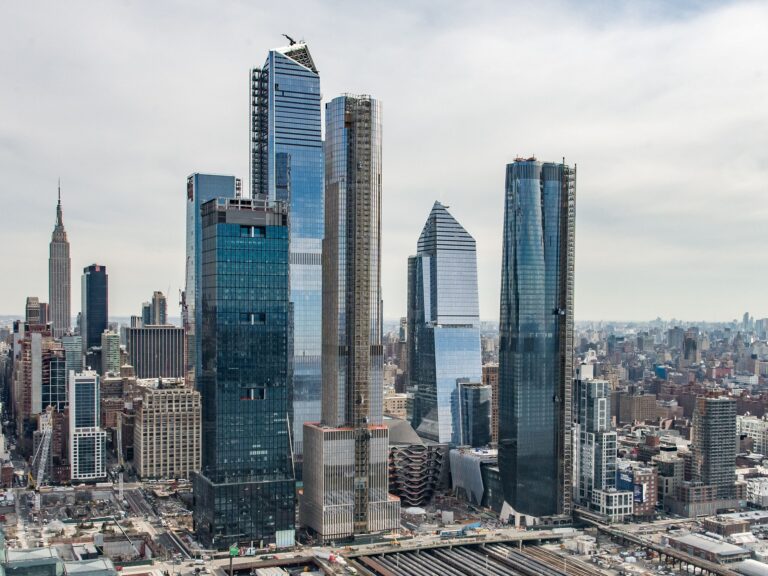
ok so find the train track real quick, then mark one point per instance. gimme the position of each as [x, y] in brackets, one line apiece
[472, 560]
[570, 566]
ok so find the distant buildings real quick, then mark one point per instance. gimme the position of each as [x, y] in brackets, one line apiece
[87, 450]
[286, 157]
[245, 489]
[345, 461]
[755, 428]
[536, 338]
[159, 314]
[34, 312]
[167, 432]
[156, 351]
[59, 277]
[110, 353]
[95, 308]
[443, 324]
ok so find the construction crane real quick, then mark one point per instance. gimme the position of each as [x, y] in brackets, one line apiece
[41, 456]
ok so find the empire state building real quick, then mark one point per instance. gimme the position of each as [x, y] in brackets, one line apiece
[59, 285]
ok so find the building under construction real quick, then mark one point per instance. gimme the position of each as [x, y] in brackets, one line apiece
[346, 455]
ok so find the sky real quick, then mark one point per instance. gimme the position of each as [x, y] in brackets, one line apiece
[663, 107]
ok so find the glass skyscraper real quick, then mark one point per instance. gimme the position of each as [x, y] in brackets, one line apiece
[200, 189]
[536, 338]
[87, 441]
[246, 488]
[286, 153]
[95, 310]
[443, 324]
[346, 458]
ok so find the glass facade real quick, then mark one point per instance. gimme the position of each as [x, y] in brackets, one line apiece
[95, 310]
[443, 324]
[287, 165]
[536, 338]
[473, 414]
[346, 460]
[200, 189]
[353, 239]
[87, 439]
[245, 490]
[54, 392]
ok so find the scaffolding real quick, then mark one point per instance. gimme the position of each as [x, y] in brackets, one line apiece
[565, 328]
[357, 121]
[259, 110]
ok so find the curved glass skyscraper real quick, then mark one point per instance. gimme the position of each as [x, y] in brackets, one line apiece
[536, 338]
[443, 324]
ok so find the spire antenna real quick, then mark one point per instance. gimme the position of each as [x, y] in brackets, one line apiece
[59, 190]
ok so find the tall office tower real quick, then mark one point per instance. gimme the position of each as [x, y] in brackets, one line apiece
[32, 313]
[156, 351]
[346, 456]
[714, 440]
[287, 164]
[594, 441]
[246, 488]
[200, 189]
[146, 313]
[166, 437]
[87, 452]
[444, 321]
[73, 353]
[110, 353]
[95, 311]
[536, 338]
[59, 277]
[159, 309]
[491, 378]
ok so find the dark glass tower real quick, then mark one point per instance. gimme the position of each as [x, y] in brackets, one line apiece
[286, 152]
[95, 311]
[443, 324]
[59, 277]
[245, 490]
[536, 338]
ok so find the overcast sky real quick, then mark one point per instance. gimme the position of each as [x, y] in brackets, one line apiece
[662, 105]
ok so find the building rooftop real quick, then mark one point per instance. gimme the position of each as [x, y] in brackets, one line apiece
[96, 567]
[25, 555]
[711, 545]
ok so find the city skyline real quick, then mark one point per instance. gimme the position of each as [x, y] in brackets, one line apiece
[650, 139]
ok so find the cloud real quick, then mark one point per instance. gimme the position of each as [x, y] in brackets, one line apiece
[662, 108]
